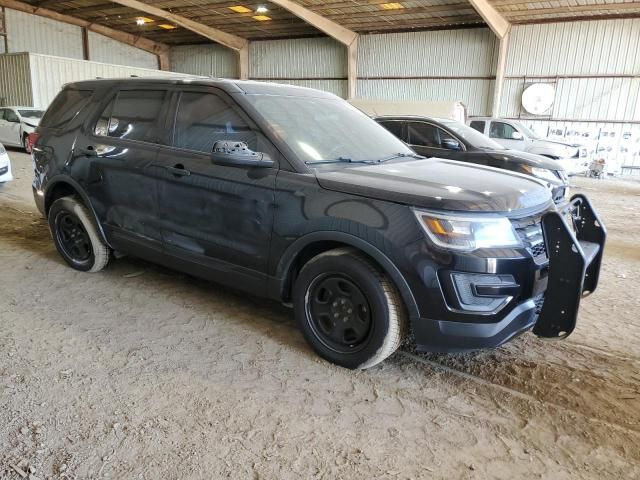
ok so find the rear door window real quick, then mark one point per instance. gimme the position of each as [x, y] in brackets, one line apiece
[64, 108]
[133, 115]
[477, 125]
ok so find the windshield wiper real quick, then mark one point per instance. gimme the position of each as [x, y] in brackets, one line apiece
[400, 155]
[337, 160]
[350, 160]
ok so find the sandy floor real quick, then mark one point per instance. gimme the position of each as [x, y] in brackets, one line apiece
[141, 372]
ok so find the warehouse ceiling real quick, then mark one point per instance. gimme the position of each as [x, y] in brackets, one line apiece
[259, 20]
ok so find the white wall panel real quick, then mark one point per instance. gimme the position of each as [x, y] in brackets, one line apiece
[466, 52]
[575, 48]
[446, 65]
[106, 50]
[207, 60]
[31, 33]
[298, 59]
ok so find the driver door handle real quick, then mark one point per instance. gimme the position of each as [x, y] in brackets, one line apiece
[178, 170]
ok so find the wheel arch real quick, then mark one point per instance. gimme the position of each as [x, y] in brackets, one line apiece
[62, 186]
[307, 247]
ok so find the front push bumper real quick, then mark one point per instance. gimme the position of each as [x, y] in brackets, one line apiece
[575, 257]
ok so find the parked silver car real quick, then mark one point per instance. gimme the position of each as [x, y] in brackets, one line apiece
[516, 136]
[5, 166]
[16, 123]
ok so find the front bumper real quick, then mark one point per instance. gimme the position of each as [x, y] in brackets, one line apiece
[549, 304]
[5, 169]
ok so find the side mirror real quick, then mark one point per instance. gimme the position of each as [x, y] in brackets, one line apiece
[517, 136]
[451, 144]
[237, 154]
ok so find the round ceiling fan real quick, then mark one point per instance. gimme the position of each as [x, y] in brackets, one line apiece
[538, 98]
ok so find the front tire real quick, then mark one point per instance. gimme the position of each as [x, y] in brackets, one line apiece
[76, 236]
[348, 310]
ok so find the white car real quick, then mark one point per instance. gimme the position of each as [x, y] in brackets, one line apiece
[16, 123]
[5, 166]
[516, 136]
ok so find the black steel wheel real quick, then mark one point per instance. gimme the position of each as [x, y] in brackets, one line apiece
[76, 236]
[72, 237]
[348, 309]
[338, 312]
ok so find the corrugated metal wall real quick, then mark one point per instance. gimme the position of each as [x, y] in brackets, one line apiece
[15, 80]
[595, 69]
[207, 60]
[314, 62]
[107, 50]
[30, 33]
[449, 65]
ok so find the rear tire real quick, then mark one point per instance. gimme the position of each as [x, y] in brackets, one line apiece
[76, 236]
[348, 310]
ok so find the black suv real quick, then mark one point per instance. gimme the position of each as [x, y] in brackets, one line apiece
[293, 194]
[444, 138]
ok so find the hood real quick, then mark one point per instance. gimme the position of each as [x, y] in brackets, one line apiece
[441, 185]
[555, 145]
[31, 121]
[525, 158]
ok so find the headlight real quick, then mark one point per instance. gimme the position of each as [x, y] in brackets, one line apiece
[543, 174]
[2, 150]
[467, 233]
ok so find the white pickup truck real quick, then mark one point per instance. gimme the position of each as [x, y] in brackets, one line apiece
[516, 136]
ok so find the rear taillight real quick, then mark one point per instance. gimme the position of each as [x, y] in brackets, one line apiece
[31, 140]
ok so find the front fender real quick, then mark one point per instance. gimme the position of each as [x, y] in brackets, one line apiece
[283, 270]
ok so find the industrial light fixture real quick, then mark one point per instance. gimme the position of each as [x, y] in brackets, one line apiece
[166, 26]
[143, 20]
[262, 9]
[261, 18]
[391, 6]
[240, 9]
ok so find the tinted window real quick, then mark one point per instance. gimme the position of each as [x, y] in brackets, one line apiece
[65, 107]
[2, 110]
[394, 127]
[31, 113]
[424, 135]
[10, 116]
[478, 125]
[204, 119]
[133, 115]
[501, 130]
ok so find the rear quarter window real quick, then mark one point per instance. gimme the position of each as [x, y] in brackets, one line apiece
[65, 107]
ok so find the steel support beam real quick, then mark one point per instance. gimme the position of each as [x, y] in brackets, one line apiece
[157, 48]
[239, 44]
[343, 35]
[500, 74]
[492, 17]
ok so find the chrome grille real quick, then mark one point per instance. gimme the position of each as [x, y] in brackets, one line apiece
[539, 301]
[530, 232]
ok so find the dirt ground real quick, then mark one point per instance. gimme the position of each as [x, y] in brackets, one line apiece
[139, 372]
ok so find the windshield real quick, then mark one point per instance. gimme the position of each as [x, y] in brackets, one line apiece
[471, 135]
[325, 129]
[528, 132]
[31, 113]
